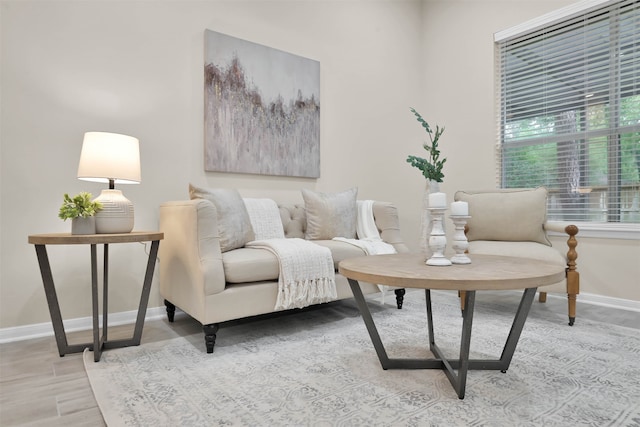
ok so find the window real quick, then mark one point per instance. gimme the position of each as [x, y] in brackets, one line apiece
[569, 112]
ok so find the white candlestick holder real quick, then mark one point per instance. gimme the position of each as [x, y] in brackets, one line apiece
[437, 238]
[460, 242]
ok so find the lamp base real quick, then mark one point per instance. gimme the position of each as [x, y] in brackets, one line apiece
[116, 215]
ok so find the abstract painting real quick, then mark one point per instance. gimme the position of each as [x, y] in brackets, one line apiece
[262, 109]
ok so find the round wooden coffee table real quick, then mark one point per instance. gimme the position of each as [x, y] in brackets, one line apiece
[485, 272]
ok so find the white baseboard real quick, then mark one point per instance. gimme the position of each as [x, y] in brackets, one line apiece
[38, 330]
[617, 303]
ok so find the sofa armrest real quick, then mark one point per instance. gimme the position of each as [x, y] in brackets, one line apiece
[190, 257]
[385, 215]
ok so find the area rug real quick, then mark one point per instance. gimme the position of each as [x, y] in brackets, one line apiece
[318, 367]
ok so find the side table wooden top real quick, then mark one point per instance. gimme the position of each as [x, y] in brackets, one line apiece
[486, 272]
[84, 239]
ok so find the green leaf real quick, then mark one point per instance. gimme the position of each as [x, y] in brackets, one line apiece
[432, 168]
[78, 206]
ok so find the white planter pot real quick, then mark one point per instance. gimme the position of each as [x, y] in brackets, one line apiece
[82, 225]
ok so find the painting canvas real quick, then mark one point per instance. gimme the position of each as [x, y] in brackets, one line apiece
[262, 109]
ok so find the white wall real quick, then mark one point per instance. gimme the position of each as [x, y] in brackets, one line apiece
[135, 67]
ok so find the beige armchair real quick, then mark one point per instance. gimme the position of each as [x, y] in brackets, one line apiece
[512, 222]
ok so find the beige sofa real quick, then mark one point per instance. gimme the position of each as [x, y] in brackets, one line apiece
[214, 286]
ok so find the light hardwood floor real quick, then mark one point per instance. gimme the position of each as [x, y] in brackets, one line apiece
[39, 388]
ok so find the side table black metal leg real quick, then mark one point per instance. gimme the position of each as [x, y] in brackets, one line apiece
[105, 292]
[97, 347]
[142, 308]
[146, 290]
[52, 300]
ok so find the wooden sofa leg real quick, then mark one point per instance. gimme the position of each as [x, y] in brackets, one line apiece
[573, 277]
[171, 310]
[572, 308]
[399, 297]
[542, 297]
[462, 295]
[210, 335]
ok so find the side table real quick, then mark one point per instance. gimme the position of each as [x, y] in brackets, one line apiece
[99, 343]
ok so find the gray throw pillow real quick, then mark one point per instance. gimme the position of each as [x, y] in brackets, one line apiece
[507, 214]
[330, 215]
[234, 225]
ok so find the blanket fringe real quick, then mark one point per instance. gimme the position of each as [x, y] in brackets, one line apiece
[299, 294]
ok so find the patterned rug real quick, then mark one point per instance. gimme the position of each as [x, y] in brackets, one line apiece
[317, 367]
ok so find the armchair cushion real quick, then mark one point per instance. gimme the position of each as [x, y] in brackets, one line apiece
[330, 215]
[234, 224]
[516, 215]
[531, 250]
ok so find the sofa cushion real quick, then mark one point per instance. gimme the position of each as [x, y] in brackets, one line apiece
[330, 215]
[507, 214]
[532, 250]
[250, 265]
[234, 225]
[255, 264]
[340, 250]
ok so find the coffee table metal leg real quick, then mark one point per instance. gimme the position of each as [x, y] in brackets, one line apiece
[516, 328]
[463, 364]
[459, 380]
[385, 361]
[368, 321]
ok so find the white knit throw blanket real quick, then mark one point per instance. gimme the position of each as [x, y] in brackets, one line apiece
[307, 274]
[368, 236]
[369, 239]
[265, 218]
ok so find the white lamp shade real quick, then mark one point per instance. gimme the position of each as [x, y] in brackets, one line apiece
[106, 156]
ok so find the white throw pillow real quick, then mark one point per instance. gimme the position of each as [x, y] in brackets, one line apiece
[234, 225]
[330, 215]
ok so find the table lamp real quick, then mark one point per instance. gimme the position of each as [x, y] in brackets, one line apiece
[111, 158]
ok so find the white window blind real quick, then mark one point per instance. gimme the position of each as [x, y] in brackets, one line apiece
[569, 113]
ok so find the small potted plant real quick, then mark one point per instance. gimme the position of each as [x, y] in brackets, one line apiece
[80, 210]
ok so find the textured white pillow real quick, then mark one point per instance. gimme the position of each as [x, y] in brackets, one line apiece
[234, 225]
[516, 215]
[330, 215]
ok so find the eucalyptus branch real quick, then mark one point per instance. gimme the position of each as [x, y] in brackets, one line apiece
[432, 168]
